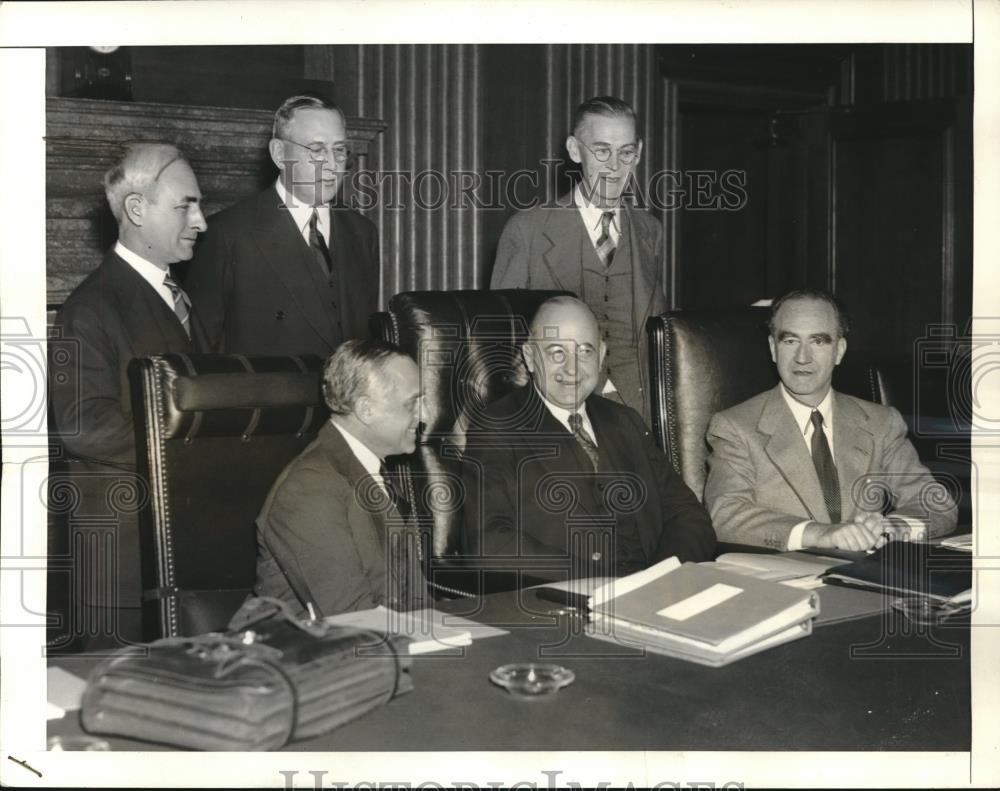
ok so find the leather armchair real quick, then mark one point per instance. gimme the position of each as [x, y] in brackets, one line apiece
[213, 433]
[467, 346]
[703, 361]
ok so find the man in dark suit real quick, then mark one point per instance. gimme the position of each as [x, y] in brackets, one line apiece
[802, 465]
[286, 271]
[129, 307]
[567, 481]
[336, 534]
[593, 244]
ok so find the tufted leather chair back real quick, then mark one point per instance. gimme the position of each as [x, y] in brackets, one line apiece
[703, 361]
[213, 432]
[467, 346]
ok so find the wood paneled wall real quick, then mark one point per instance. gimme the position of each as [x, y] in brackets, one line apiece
[467, 117]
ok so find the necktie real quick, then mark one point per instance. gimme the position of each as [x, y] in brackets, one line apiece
[825, 469]
[605, 244]
[182, 305]
[318, 243]
[403, 550]
[399, 502]
[583, 438]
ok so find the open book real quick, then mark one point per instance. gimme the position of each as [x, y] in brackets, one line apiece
[700, 613]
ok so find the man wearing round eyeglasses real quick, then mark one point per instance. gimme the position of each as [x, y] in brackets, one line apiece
[289, 271]
[591, 242]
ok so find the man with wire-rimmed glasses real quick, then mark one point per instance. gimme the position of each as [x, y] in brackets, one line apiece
[289, 271]
[591, 242]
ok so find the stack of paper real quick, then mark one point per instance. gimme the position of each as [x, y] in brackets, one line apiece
[427, 630]
[700, 613]
[798, 569]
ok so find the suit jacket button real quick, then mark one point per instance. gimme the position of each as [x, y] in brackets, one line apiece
[279, 315]
[596, 556]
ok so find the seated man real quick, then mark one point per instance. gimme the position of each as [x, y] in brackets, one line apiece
[334, 534]
[568, 481]
[804, 466]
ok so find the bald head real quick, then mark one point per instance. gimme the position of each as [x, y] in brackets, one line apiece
[565, 352]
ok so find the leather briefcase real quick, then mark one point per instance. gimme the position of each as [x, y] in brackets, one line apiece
[269, 680]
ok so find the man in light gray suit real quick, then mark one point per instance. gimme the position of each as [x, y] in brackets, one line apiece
[593, 244]
[802, 465]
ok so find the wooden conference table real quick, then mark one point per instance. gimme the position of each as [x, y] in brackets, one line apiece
[874, 683]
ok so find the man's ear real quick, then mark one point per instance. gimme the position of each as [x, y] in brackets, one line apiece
[603, 350]
[773, 347]
[573, 147]
[841, 348]
[134, 207]
[638, 154]
[363, 410]
[277, 151]
[527, 356]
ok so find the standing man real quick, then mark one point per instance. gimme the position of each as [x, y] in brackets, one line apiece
[594, 245]
[130, 306]
[800, 465]
[562, 479]
[335, 532]
[286, 271]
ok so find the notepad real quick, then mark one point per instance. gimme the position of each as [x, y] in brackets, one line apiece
[428, 630]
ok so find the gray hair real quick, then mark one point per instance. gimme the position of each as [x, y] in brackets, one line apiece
[301, 101]
[352, 369]
[138, 170]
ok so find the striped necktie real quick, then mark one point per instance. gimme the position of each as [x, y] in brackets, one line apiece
[583, 438]
[826, 470]
[605, 244]
[318, 243]
[182, 304]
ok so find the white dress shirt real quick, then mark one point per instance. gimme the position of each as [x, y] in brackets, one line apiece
[562, 415]
[301, 214]
[803, 419]
[592, 218]
[150, 272]
[364, 454]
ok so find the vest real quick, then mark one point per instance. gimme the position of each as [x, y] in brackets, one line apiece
[608, 292]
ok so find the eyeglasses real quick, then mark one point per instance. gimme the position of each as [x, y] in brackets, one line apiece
[557, 355]
[626, 154]
[338, 151]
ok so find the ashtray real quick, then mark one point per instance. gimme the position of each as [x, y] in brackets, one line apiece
[926, 611]
[531, 679]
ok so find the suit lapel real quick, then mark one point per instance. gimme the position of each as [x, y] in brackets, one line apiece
[369, 534]
[286, 252]
[787, 450]
[646, 271]
[853, 447]
[561, 254]
[151, 326]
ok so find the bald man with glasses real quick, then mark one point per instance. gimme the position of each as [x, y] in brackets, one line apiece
[590, 242]
[289, 271]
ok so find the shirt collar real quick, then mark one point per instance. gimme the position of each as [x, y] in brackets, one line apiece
[803, 412]
[147, 270]
[364, 454]
[302, 213]
[592, 214]
[562, 414]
